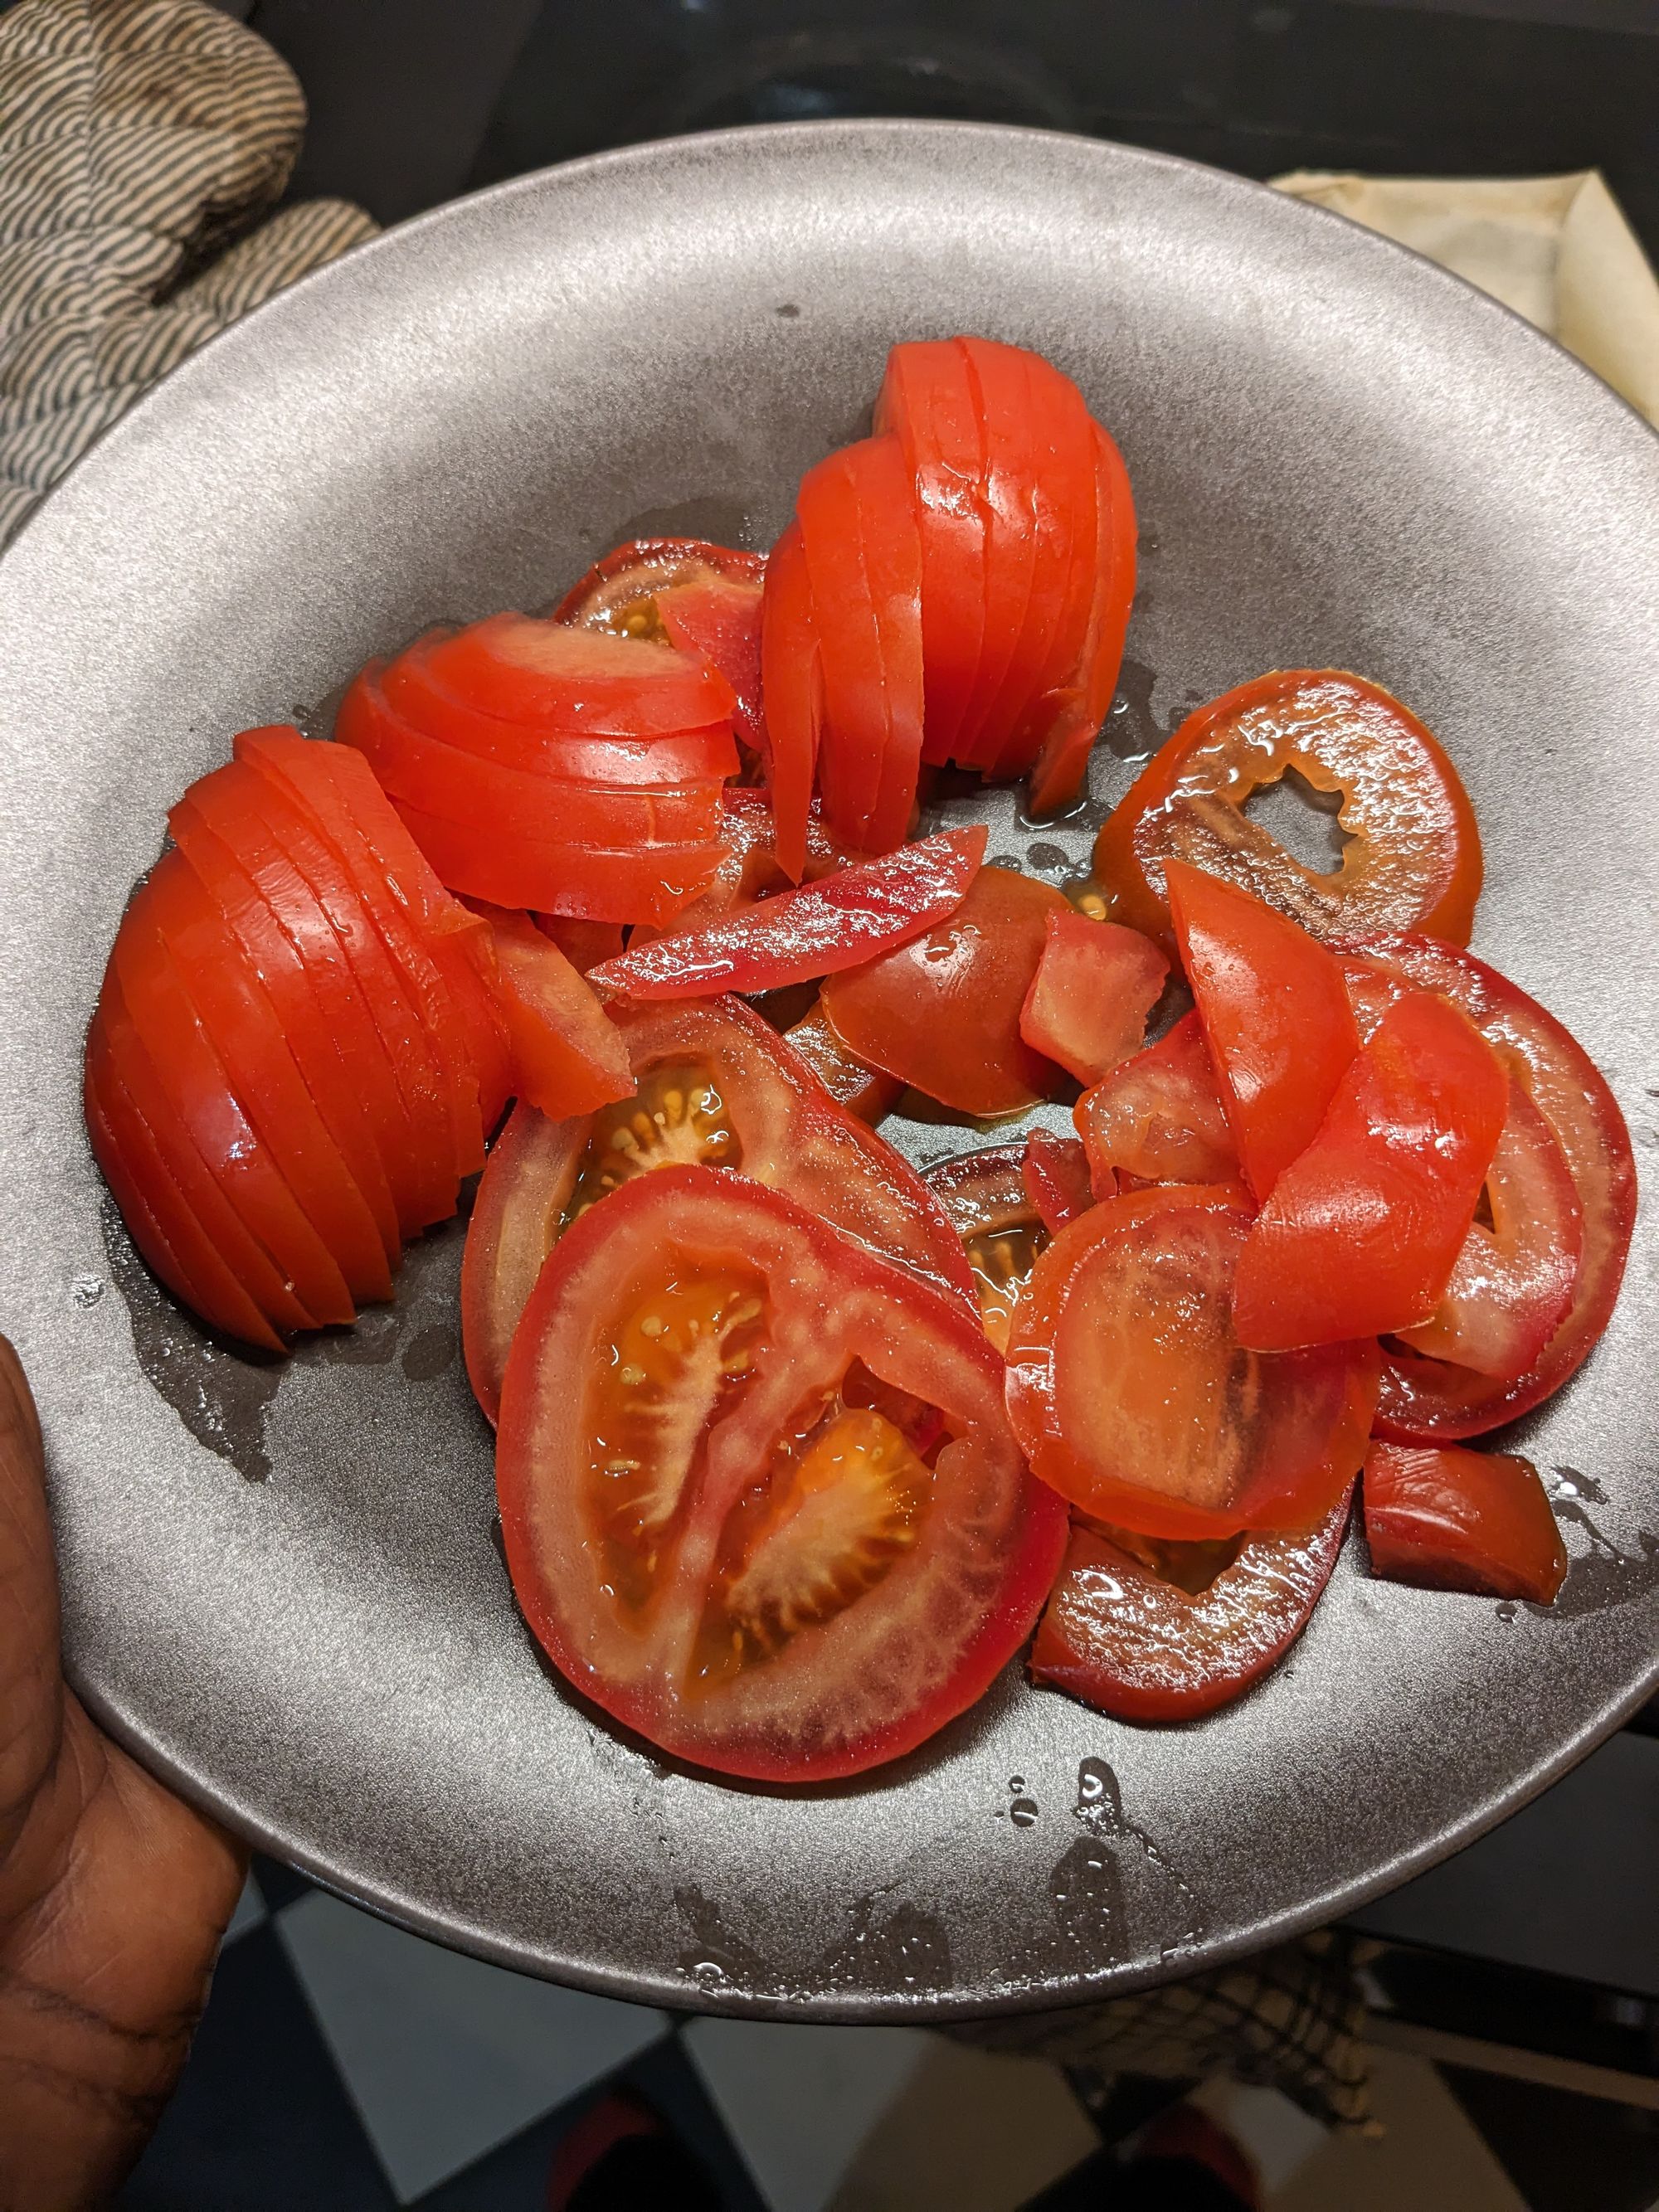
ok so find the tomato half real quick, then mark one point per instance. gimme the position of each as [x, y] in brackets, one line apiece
[1273, 1003]
[713, 1087]
[988, 1202]
[1425, 1400]
[1456, 1520]
[943, 1012]
[1159, 1117]
[837, 922]
[1414, 857]
[712, 1531]
[1095, 985]
[547, 676]
[1131, 1393]
[1362, 1229]
[1126, 1638]
[1074, 711]
[1056, 1171]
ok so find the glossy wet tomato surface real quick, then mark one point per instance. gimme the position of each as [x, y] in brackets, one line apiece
[987, 1201]
[1096, 983]
[1449, 1519]
[713, 1531]
[1158, 1116]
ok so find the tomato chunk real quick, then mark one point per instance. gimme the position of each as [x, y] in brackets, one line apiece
[1456, 1520]
[1414, 857]
[712, 1085]
[1430, 1400]
[864, 1090]
[1056, 1177]
[1274, 1007]
[1361, 1232]
[567, 1057]
[1131, 1393]
[837, 922]
[943, 1012]
[1158, 1116]
[716, 1540]
[1122, 1634]
[988, 1201]
[1095, 985]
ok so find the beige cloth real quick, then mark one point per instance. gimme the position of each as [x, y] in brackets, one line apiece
[137, 138]
[1556, 249]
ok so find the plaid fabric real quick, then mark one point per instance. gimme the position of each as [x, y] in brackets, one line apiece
[137, 138]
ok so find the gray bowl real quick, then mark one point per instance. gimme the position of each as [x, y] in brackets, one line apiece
[281, 1584]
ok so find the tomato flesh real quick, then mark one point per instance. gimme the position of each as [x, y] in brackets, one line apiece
[712, 1087]
[1095, 985]
[1414, 857]
[1131, 1393]
[567, 1057]
[708, 1539]
[864, 1090]
[1449, 1519]
[1362, 1230]
[1055, 1171]
[1159, 1117]
[1122, 1635]
[943, 1012]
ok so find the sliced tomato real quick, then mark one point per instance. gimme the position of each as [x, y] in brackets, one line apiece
[1095, 984]
[566, 1058]
[1131, 1393]
[943, 1012]
[1122, 1633]
[1413, 860]
[1273, 1003]
[836, 923]
[710, 1533]
[1159, 1117]
[752, 868]
[704, 599]
[1001, 377]
[713, 1087]
[1456, 1520]
[584, 944]
[1074, 711]
[1428, 1399]
[1512, 1283]
[926, 402]
[987, 1201]
[1056, 1171]
[793, 690]
[544, 675]
[864, 1090]
[503, 865]
[1361, 1232]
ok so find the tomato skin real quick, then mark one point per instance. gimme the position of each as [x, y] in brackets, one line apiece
[1449, 1519]
[1273, 1005]
[942, 1012]
[839, 921]
[892, 1666]
[1427, 1400]
[1414, 861]
[791, 689]
[865, 1091]
[1076, 710]
[1095, 985]
[1056, 1171]
[1158, 1116]
[1362, 1230]
[637, 882]
[1001, 377]
[785, 1131]
[1126, 1378]
[1134, 1646]
[548, 676]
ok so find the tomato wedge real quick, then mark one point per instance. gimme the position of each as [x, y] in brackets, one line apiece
[1427, 1400]
[713, 1085]
[1131, 1393]
[1095, 985]
[566, 1058]
[943, 1012]
[1456, 1520]
[1056, 1172]
[1414, 857]
[1126, 1638]
[1362, 1230]
[1158, 1116]
[865, 1091]
[1273, 1004]
[837, 922]
[987, 1201]
[713, 1533]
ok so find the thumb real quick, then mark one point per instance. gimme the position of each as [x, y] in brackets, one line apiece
[31, 1681]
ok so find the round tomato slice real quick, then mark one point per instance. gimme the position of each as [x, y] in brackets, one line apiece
[713, 1531]
[987, 1201]
[1413, 860]
[1132, 1394]
[715, 1087]
[1424, 1399]
[943, 1012]
[1162, 1633]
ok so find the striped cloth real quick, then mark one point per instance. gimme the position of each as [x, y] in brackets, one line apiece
[138, 139]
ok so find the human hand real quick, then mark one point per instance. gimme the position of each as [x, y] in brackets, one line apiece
[113, 1895]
